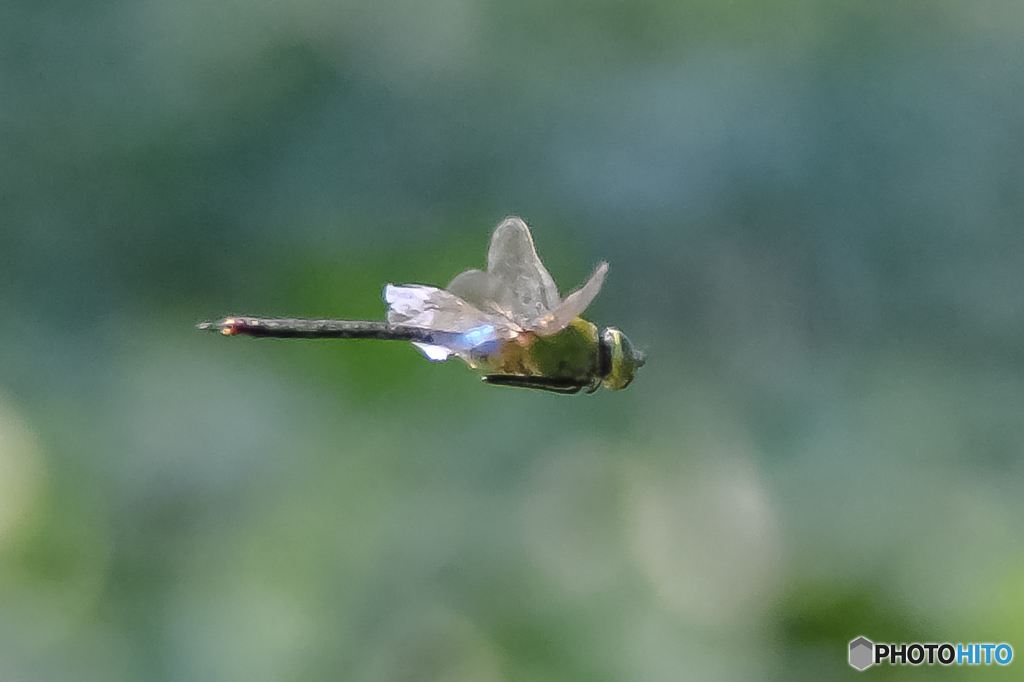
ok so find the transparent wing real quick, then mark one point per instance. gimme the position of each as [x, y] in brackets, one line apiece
[518, 287]
[513, 262]
[427, 307]
[484, 291]
[461, 328]
[576, 302]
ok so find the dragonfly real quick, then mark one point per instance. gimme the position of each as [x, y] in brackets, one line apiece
[508, 321]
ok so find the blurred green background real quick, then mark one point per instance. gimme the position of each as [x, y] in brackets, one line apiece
[813, 215]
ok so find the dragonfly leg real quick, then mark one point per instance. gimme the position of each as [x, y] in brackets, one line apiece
[565, 386]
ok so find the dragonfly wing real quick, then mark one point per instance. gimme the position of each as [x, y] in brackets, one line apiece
[576, 302]
[512, 260]
[484, 291]
[460, 328]
[432, 352]
[417, 305]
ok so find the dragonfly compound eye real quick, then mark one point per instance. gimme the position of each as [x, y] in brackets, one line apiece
[625, 359]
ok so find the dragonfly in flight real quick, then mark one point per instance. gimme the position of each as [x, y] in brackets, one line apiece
[508, 321]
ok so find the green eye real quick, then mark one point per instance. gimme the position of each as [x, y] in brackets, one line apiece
[625, 359]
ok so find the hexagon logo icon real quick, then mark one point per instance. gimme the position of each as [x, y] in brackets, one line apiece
[862, 653]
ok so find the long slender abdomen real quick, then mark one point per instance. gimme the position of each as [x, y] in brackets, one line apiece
[296, 328]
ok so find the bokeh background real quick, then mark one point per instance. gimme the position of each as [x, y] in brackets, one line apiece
[813, 215]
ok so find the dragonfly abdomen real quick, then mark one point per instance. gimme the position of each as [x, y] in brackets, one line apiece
[298, 328]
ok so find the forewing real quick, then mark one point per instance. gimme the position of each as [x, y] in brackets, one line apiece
[576, 302]
[512, 260]
[484, 291]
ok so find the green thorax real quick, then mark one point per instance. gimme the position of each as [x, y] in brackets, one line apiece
[573, 353]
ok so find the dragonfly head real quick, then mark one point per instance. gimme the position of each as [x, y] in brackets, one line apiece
[622, 359]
